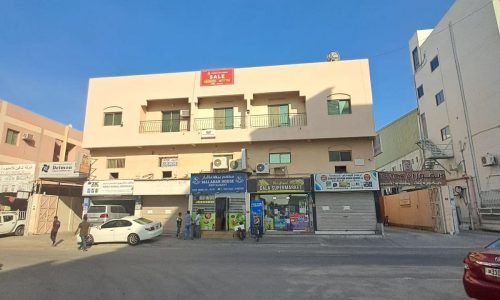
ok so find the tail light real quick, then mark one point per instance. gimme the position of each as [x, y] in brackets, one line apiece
[103, 216]
[150, 228]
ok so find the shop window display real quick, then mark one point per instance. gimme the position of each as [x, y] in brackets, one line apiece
[286, 212]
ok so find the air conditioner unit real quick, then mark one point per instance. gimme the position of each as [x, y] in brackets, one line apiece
[262, 168]
[28, 137]
[488, 160]
[185, 113]
[235, 165]
[219, 163]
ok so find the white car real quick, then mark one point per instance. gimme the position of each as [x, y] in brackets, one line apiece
[129, 229]
[11, 222]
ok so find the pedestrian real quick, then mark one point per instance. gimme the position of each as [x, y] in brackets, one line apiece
[84, 228]
[53, 233]
[197, 219]
[187, 226]
[179, 224]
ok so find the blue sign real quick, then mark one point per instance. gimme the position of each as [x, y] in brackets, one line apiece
[256, 210]
[219, 183]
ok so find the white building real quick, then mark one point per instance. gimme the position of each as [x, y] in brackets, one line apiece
[456, 68]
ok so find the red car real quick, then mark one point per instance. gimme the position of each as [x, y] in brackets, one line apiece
[482, 272]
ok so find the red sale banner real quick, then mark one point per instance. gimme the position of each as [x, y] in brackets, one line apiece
[217, 77]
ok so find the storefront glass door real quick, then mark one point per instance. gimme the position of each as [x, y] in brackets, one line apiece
[286, 212]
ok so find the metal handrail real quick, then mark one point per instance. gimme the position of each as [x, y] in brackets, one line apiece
[278, 120]
[219, 123]
[157, 126]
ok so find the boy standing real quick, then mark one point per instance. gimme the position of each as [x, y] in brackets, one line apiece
[179, 224]
[53, 233]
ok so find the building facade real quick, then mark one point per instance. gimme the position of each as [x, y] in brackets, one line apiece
[280, 123]
[457, 80]
[29, 141]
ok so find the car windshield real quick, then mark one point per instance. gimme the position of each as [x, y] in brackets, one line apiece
[96, 209]
[143, 221]
[494, 245]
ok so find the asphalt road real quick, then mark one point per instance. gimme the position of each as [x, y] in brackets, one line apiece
[405, 265]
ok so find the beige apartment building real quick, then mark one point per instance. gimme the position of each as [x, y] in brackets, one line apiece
[38, 168]
[457, 80]
[150, 136]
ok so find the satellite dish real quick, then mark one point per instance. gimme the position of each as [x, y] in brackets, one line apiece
[333, 56]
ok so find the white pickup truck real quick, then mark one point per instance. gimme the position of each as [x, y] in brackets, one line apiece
[12, 222]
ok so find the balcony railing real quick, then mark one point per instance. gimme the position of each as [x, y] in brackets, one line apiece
[221, 123]
[436, 151]
[156, 126]
[278, 120]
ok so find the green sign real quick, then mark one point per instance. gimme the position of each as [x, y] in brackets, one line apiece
[279, 185]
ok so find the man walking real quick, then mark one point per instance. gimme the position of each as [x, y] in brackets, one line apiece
[84, 228]
[187, 226]
[53, 233]
[197, 219]
[179, 224]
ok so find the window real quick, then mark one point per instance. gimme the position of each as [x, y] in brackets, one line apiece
[416, 60]
[8, 218]
[445, 133]
[377, 145]
[110, 224]
[278, 115]
[113, 175]
[167, 174]
[434, 63]
[420, 91]
[224, 118]
[96, 209]
[171, 121]
[339, 107]
[117, 209]
[280, 158]
[340, 155]
[439, 97]
[340, 169]
[424, 125]
[113, 119]
[116, 163]
[124, 223]
[11, 137]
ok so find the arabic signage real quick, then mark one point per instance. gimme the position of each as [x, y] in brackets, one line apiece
[168, 162]
[15, 178]
[342, 182]
[218, 183]
[58, 170]
[279, 185]
[217, 77]
[108, 187]
[434, 177]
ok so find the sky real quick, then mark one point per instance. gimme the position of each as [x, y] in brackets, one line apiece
[50, 48]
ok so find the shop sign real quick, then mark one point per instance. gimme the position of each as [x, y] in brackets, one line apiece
[279, 185]
[344, 182]
[58, 170]
[218, 183]
[413, 178]
[217, 77]
[168, 162]
[108, 187]
[15, 178]
[161, 187]
[83, 163]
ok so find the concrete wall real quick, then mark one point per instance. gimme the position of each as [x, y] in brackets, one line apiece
[398, 139]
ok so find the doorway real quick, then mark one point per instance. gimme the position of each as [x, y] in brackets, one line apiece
[221, 205]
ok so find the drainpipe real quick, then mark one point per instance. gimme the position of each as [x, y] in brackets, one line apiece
[62, 152]
[466, 115]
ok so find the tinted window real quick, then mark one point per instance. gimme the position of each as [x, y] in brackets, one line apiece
[420, 91]
[494, 245]
[110, 224]
[143, 221]
[8, 218]
[115, 209]
[124, 223]
[434, 63]
[96, 209]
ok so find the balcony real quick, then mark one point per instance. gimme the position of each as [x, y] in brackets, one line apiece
[221, 123]
[278, 120]
[436, 151]
[157, 126]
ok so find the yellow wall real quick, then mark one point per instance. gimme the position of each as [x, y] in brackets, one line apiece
[417, 214]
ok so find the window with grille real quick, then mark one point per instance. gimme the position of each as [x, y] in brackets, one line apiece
[113, 163]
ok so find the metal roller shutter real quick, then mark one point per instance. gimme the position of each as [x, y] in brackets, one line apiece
[350, 211]
[164, 209]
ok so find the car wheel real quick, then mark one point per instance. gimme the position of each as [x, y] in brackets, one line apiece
[90, 240]
[19, 230]
[133, 239]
